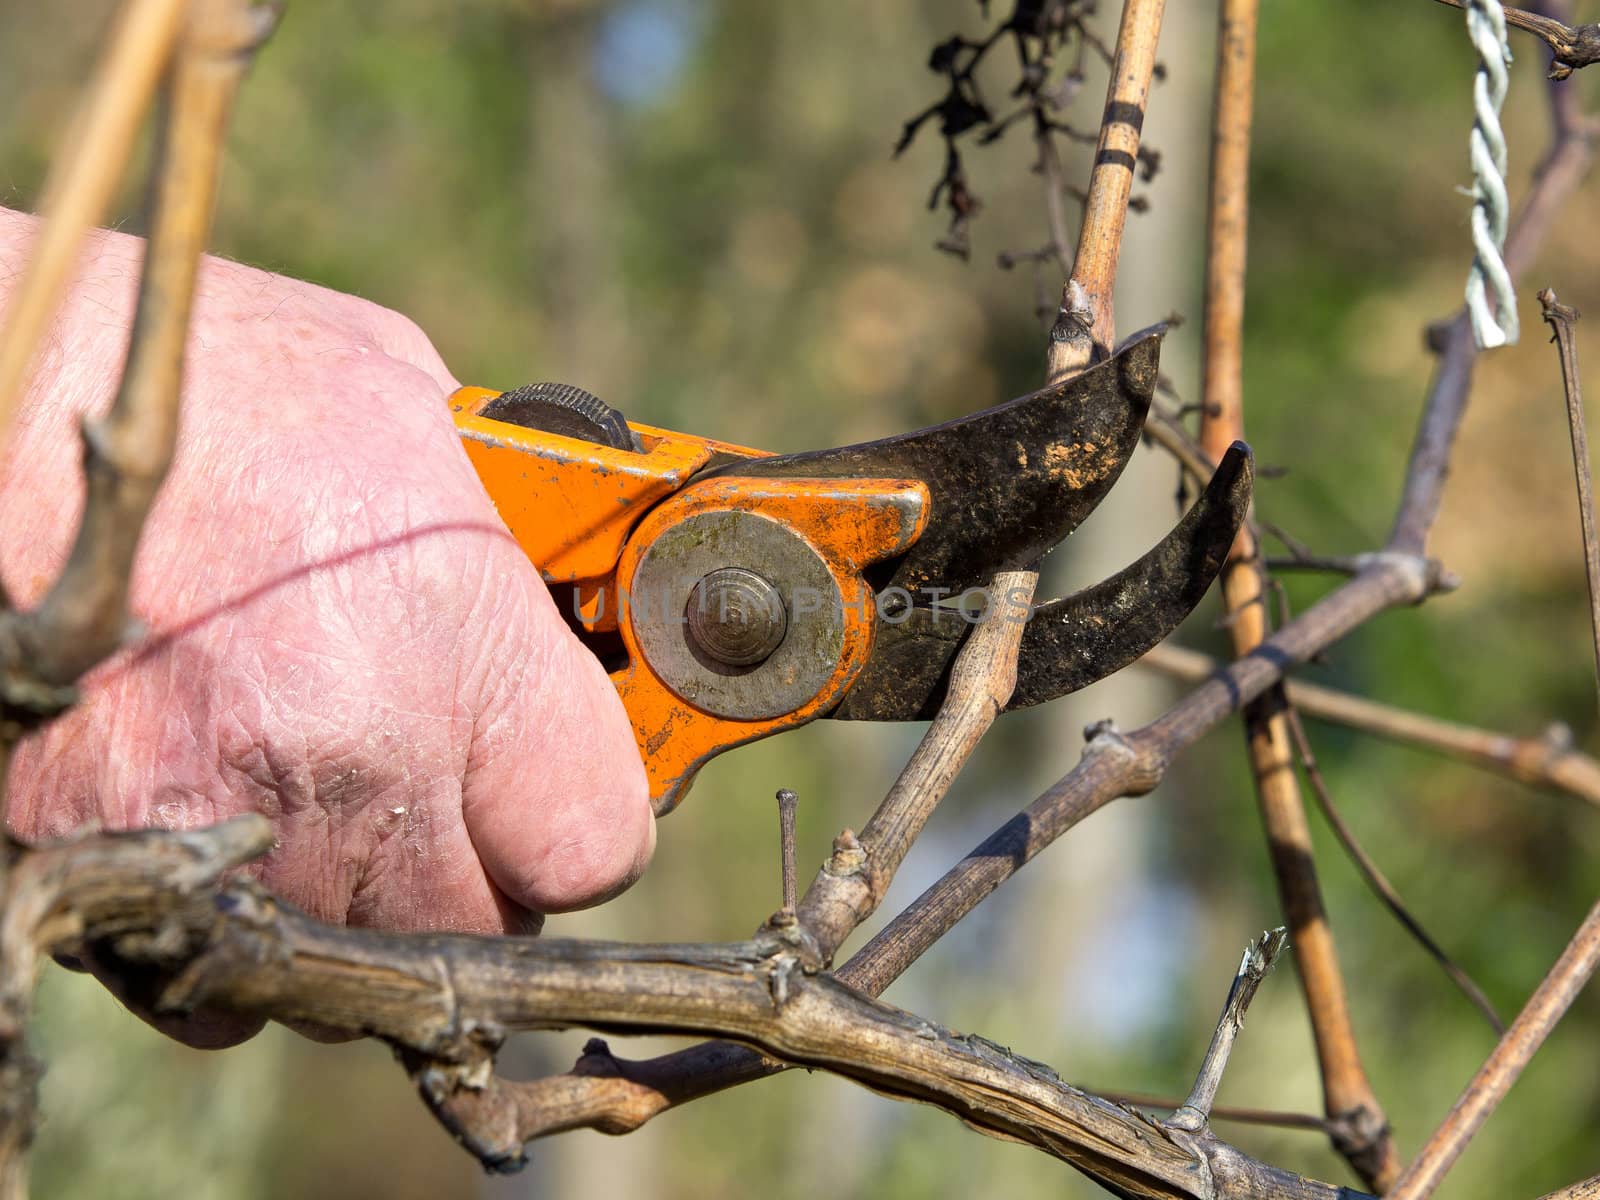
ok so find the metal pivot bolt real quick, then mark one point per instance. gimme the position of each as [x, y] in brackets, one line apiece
[736, 617]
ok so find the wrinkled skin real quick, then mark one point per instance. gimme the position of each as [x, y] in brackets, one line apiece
[339, 632]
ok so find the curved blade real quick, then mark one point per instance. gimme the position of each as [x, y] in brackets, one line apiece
[1072, 642]
[1005, 484]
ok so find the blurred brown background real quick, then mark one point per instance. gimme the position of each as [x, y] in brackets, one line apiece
[689, 207]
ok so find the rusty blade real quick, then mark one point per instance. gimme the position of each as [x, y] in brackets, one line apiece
[1005, 484]
[1072, 642]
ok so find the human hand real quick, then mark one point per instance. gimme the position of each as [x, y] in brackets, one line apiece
[340, 633]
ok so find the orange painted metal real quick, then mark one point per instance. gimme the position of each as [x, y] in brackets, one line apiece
[570, 503]
[585, 513]
[851, 523]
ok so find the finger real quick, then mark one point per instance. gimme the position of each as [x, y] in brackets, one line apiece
[139, 989]
[403, 340]
[555, 798]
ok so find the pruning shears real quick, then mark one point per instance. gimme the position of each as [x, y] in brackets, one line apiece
[733, 593]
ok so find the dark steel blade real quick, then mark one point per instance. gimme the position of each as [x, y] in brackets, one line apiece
[1007, 483]
[1072, 642]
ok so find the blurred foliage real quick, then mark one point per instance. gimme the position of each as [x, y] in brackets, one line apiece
[689, 206]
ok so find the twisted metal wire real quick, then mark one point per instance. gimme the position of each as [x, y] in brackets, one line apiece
[1486, 26]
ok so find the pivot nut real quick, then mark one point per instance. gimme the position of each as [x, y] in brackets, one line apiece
[736, 617]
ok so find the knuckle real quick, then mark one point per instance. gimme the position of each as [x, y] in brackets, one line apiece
[605, 848]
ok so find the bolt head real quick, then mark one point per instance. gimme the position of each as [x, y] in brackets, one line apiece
[736, 617]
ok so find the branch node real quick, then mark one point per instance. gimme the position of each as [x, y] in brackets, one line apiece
[472, 1108]
[1554, 311]
[781, 972]
[1076, 317]
[1557, 738]
[1140, 765]
[596, 1048]
[1420, 576]
[1361, 1136]
[849, 857]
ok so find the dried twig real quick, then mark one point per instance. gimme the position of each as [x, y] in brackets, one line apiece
[1085, 327]
[52, 896]
[1172, 437]
[1494, 1079]
[1269, 1117]
[1561, 319]
[1259, 956]
[1584, 1189]
[86, 174]
[787, 803]
[1547, 761]
[83, 617]
[1379, 883]
[853, 881]
[1571, 48]
[1347, 1093]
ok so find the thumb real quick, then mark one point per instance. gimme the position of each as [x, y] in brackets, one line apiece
[555, 797]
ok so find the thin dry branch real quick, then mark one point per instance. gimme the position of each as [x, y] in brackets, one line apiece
[1561, 319]
[1347, 1093]
[1379, 883]
[788, 803]
[1085, 327]
[854, 879]
[1571, 47]
[1269, 1117]
[1489, 1086]
[1172, 437]
[1227, 228]
[83, 618]
[81, 185]
[52, 896]
[1547, 761]
[1584, 1189]
[852, 883]
[1055, 206]
[1259, 957]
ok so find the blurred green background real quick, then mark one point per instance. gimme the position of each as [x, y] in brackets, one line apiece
[689, 207]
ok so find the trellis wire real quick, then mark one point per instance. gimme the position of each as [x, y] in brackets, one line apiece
[1486, 26]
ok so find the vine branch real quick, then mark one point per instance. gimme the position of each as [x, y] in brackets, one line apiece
[1549, 760]
[1571, 47]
